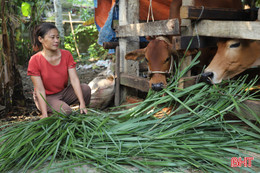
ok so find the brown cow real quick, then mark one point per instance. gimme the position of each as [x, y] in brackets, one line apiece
[159, 51]
[159, 56]
[233, 57]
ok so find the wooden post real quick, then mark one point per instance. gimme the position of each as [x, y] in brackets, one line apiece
[117, 72]
[121, 52]
[187, 59]
[186, 62]
[128, 14]
[258, 18]
[132, 67]
[74, 37]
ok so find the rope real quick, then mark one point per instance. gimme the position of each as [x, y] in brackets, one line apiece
[162, 72]
[196, 30]
[150, 11]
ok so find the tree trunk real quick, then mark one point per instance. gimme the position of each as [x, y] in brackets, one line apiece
[6, 67]
[58, 19]
[11, 90]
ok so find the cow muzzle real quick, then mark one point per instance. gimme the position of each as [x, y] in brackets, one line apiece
[157, 86]
[206, 77]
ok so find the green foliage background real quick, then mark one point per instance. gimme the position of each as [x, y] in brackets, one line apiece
[88, 34]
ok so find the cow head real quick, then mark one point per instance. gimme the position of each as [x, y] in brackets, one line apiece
[158, 55]
[232, 58]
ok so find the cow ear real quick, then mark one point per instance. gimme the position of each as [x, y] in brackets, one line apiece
[135, 55]
[149, 38]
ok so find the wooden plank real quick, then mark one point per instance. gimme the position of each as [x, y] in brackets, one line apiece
[189, 12]
[110, 45]
[226, 29]
[162, 27]
[184, 63]
[113, 45]
[182, 43]
[185, 82]
[139, 83]
[254, 106]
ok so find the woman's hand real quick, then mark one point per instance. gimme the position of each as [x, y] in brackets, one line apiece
[83, 109]
[43, 116]
[74, 79]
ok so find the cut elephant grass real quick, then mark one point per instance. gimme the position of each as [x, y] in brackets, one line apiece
[194, 137]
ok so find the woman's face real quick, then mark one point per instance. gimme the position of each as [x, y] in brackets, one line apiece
[51, 40]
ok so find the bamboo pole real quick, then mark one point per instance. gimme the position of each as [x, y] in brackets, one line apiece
[72, 30]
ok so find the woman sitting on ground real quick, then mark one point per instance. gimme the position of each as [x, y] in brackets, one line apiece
[50, 69]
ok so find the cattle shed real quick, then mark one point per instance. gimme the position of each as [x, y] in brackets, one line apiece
[140, 18]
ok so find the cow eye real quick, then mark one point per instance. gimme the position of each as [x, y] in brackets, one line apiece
[146, 60]
[234, 45]
[167, 59]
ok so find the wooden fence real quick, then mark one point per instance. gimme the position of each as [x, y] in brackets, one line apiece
[205, 23]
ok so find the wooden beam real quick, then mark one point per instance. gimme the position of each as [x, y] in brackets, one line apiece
[182, 43]
[136, 82]
[191, 12]
[226, 29]
[253, 106]
[113, 45]
[162, 27]
[110, 45]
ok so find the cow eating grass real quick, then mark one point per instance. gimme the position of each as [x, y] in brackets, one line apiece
[159, 52]
[232, 58]
[159, 56]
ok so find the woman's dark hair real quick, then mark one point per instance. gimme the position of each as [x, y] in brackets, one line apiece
[41, 31]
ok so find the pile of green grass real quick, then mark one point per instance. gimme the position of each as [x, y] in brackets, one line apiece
[194, 136]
